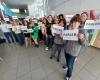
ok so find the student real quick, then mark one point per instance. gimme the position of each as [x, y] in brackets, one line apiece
[72, 48]
[14, 34]
[26, 34]
[84, 17]
[58, 43]
[18, 32]
[35, 33]
[42, 31]
[6, 28]
[61, 17]
[49, 38]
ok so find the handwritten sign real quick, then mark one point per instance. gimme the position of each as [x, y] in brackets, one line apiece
[14, 17]
[23, 27]
[92, 24]
[70, 35]
[30, 30]
[68, 18]
[57, 29]
[6, 19]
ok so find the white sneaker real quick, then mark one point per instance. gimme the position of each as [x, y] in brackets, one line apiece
[68, 78]
[76, 59]
[46, 48]
[65, 69]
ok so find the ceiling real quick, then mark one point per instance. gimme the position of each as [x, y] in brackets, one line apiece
[21, 4]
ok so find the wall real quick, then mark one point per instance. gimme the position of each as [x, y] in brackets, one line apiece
[73, 6]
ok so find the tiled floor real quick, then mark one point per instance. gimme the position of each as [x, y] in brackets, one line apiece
[34, 64]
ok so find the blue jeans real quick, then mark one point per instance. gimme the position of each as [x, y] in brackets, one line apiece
[69, 63]
[49, 41]
[20, 38]
[9, 36]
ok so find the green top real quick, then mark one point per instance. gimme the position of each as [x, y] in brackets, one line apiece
[35, 33]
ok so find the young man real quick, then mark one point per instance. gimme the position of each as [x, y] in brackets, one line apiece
[72, 48]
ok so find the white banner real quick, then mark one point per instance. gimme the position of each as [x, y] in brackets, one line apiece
[6, 19]
[30, 30]
[92, 24]
[23, 27]
[70, 35]
[14, 17]
[68, 18]
[57, 29]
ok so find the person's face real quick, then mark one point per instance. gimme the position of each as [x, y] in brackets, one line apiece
[50, 18]
[25, 23]
[75, 25]
[44, 21]
[83, 17]
[32, 23]
[55, 17]
[2, 22]
[61, 17]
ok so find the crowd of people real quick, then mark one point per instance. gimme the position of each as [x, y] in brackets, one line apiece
[33, 32]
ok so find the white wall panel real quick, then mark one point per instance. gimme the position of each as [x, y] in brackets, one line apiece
[73, 6]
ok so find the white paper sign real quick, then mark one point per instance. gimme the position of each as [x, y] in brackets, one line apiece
[30, 30]
[92, 24]
[6, 19]
[14, 17]
[57, 29]
[23, 27]
[68, 18]
[70, 35]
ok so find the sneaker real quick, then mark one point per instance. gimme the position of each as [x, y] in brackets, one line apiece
[51, 57]
[58, 60]
[76, 59]
[64, 68]
[46, 48]
[68, 78]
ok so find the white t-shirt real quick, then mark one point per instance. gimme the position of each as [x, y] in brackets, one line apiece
[5, 27]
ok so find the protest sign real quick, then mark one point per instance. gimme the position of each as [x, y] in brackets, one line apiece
[30, 30]
[57, 29]
[14, 17]
[92, 24]
[6, 19]
[70, 35]
[23, 27]
[68, 18]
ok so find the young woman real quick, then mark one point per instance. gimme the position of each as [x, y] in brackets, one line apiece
[14, 34]
[42, 30]
[49, 38]
[27, 34]
[35, 33]
[58, 43]
[72, 48]
[84, 17]
[6, 28]
[18, 32]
